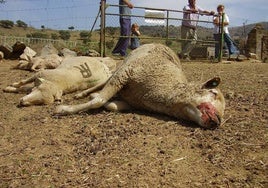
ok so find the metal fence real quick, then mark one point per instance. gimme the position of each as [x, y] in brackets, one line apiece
[166, 28]
[10, 40]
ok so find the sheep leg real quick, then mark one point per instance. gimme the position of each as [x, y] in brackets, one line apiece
[36, 65]
[23, 82]
[110, 89]
[16, 87]
[72, 109]
[89, 90]
[117, 106]
[11, 89]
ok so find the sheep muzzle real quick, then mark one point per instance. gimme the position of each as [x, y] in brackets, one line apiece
[210, 117]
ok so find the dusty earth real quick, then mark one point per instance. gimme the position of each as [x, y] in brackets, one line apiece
[138, 149]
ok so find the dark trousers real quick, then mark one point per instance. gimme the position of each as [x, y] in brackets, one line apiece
[125, 30]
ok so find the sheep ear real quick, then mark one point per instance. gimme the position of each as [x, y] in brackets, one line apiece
[212, 83]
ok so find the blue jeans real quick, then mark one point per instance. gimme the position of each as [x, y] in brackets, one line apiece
[232, 49]
[134, 42]
[125, 30]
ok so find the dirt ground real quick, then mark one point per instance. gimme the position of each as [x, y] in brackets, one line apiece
[138, 149]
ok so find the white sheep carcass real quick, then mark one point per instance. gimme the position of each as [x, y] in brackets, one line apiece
[74, 74]
[151, 78]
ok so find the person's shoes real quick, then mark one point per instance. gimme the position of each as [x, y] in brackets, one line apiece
[240, 58]
[116, 54]
[215, 60]
[186, 59]
[119, 54]
[235, 57]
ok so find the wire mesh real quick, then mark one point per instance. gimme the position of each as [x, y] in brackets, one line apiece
[163, 26]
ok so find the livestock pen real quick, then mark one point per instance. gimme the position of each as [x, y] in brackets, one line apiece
[161, 25]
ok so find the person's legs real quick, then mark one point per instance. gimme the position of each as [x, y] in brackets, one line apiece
[122, 44]
[217, 38]
[184, 34]
[191, 37]
[230, 44]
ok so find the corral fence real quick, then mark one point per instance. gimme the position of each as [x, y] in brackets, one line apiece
[10, 40]
[164, 22]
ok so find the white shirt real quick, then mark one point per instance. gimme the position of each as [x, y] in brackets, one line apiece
[217, 27]
[189, 18]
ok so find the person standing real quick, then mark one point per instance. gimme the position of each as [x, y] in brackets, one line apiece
[125, 7]
[232, 49]
[135, 33]
[188, 28]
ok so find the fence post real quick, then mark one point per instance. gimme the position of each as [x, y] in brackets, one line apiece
[167, 30]
[221, 37]
[102, 28]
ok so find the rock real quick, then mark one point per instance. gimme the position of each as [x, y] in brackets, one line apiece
[48, 50]
[27, 53]
[252, 55]
[68, 53]
[6, 49]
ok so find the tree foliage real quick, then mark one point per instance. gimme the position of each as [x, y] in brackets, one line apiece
[71, 28]
[21, 24]
[6, 24]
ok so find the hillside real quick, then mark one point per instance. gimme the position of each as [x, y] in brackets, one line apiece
[239, 31]
[149, 34]
[154, 31]
[23, 32]
[203, 32]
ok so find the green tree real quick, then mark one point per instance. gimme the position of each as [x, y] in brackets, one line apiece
[42, 27]
[71, 28]
[21, 24]
[65, 35]
[6, 24]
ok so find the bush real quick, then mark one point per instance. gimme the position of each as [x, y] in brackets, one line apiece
[111, 30]
[6, 24]
[55, 36]
[85, 36]
[168, 42]
[65, 35]
[110, 44]
[37, 35]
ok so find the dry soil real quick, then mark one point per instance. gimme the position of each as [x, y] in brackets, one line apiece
[138, 149]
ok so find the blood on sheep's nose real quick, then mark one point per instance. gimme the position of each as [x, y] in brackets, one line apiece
[210, 117]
